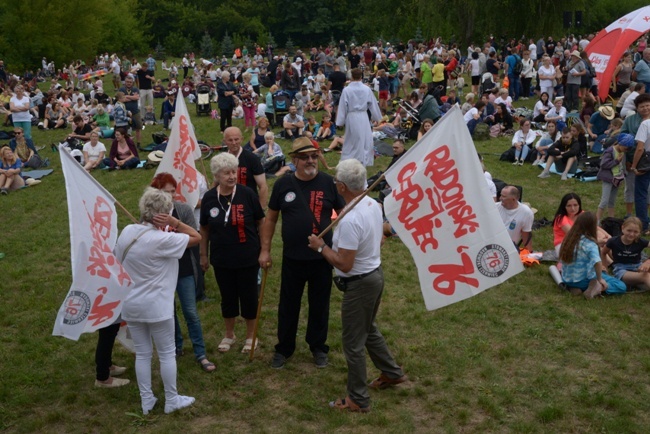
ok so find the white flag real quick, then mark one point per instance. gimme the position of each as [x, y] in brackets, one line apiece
[442, 210]
[99, 283]
[182, 150]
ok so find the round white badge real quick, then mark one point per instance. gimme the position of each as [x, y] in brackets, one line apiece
[290, 197]
[214, 212]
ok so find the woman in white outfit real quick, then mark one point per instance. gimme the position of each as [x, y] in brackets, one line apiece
[149, 252]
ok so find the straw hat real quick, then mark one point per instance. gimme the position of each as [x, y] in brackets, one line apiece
[302, 145]
[607, 112]
[155, 156]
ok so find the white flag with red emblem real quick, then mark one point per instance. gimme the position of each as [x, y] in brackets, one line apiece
[182, 150]
[442, 210]
[99, 282]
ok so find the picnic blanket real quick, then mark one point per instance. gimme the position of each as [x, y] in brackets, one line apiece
[36, 174]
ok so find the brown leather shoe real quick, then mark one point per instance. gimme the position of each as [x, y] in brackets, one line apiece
[384, 382]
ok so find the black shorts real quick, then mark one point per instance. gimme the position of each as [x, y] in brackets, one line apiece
[476, 80]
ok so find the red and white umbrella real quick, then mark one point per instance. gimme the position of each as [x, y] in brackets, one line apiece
[606, 49]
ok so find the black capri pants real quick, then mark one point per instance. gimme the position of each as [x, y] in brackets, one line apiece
[238, 288]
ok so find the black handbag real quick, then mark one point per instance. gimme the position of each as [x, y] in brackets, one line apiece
[644, 162]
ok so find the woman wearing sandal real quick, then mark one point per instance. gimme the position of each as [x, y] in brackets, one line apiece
[355, 255]
[188, 271]
[231, 215]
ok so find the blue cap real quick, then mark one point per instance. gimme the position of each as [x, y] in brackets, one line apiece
[626, 140]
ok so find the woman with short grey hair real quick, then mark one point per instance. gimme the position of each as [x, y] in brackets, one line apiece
[231, 215]
[149, 252]
[226, 101]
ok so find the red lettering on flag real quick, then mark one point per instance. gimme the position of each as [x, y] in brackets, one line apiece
[102, 312]
[449, 274]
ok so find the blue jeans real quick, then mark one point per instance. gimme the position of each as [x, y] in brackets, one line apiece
[513, 90]
[187, 297]
[641, 183]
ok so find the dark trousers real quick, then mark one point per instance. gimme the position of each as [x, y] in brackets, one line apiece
[641, 183]
[185, 69]
[317, 275]
[226, 119]
[525, 83]
[104, 350]
[571, 98]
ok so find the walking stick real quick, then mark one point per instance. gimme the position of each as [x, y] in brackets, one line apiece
[265, 274]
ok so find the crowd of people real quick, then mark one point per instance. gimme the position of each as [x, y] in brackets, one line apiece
[233, 227]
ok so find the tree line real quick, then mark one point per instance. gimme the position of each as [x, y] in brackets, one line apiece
[62, 30]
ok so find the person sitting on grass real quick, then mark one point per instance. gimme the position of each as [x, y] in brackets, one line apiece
[626, 251]
[54, 117]
[81, 131]
[123, 153]
[10, 167]
[24, 149]
[94, 152]
[270, 153]
[582, 267]
[316, 104]
[325, 130]
[293, 124]
[312, 126]
[564, 154]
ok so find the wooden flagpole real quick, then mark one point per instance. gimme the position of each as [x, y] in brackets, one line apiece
[356, 201]
[265, 273]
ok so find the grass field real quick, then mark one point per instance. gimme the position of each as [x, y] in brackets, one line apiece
[521, 357]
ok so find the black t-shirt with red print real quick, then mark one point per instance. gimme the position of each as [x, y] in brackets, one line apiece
[234, 243]
[298, 223]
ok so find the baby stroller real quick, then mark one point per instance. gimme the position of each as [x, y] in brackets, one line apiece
[203, 105]
[281, 103]
[487, 84]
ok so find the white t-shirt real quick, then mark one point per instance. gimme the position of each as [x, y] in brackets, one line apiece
[539, 105]
[628, 105]
[361, 230]
[533, 51]
[516, 220]
[475, 66]
[94, 151]
[550, 71]
[553, 112]
[203, 188]
[25, 116]
[527, 139]
[152, 264]
[491, 185]
[470, 114]
[643, 134]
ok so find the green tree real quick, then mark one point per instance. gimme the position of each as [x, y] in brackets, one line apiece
[207, 47]
[227, 48]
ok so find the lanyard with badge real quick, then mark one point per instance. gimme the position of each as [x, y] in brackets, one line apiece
[226, 211]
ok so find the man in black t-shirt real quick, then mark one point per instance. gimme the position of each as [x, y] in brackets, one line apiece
[81, 129]
[336, 81]
[250, 172]
[132, 96]
[354, 58]
[146, 81]
[306, 200]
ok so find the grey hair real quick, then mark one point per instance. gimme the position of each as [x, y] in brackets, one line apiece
[152, 202]
[225, 74]
[223, 161]
[352, 173]
[246, 76]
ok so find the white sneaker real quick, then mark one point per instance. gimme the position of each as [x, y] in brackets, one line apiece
[147, 407]
[544, 174]
[521, 162]
[564, 177]
[515, 163]
[536, 162]
[180, 402]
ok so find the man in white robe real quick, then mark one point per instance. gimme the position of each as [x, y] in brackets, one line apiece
[356, 100]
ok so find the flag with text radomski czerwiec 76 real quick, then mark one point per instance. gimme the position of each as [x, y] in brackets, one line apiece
[442, 210]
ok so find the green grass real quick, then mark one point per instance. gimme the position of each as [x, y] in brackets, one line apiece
[520, 357]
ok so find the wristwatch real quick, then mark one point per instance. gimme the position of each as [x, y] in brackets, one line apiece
[320, 249]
